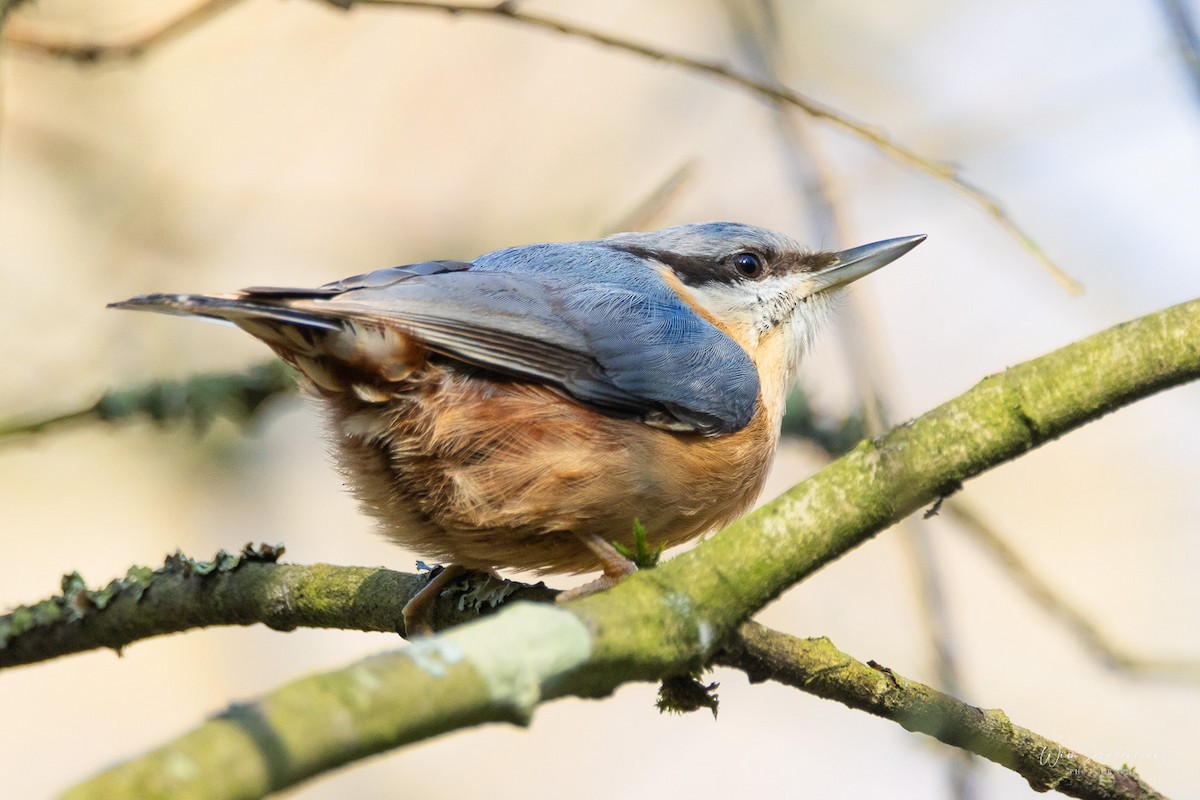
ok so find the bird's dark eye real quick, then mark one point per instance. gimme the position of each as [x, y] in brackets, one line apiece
[749, 265]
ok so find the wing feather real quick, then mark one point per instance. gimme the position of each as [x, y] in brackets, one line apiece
[619, 340]
[634, 352]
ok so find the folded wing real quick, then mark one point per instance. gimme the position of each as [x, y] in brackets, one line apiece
[641, 354]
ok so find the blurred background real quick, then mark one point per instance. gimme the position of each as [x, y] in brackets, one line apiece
[295, 143]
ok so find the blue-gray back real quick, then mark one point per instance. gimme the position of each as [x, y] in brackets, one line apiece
[597, 322]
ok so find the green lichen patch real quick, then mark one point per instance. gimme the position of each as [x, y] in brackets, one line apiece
[683, 694]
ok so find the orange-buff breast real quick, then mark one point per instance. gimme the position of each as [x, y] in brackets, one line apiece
[478, 470]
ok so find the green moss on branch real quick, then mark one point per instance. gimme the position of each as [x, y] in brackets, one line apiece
[675, 618]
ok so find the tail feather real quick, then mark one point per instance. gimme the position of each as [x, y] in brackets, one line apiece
[233, 308]
[336, 352]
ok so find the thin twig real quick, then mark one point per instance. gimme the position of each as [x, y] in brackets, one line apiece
[771, 91]
[1187, 40]
[93, 52]
[804, 163]
[1042, 593]
[757, 35]
[7, 7]
[652, 206]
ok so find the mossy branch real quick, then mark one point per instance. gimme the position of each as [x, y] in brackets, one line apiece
[675, 618]
[816, 666]
[246, 588]
[250, 587]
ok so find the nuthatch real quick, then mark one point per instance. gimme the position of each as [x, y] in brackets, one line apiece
[521, 410]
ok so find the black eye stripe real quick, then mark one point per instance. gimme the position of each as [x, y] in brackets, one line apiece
[700, 270]
[692, 270]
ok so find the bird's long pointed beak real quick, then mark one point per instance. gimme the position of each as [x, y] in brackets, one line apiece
[852, 264]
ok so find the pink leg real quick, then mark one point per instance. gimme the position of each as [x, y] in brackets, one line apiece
[616, 568]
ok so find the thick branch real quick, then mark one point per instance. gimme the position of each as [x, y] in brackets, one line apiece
[817, 667]
[674, 618]
[250, 588]
[243, 589]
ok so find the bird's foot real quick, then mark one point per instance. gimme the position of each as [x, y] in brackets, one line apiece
[416, 610]
[616, 566]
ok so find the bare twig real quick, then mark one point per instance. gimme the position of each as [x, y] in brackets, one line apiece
[1042, 593]
[943, 172]
[652, 206]
[6, 7]
[931, 599]
[946, 173]
[756, 27]
[131, 47]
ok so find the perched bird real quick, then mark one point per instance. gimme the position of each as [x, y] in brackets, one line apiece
[521, 410]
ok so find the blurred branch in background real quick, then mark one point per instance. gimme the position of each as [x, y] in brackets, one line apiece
[1076, 622]
[756, 27]
[756, 31]
[770, 91]
[197, 401]
[835, 437]
[240, 396]
[832, 435]
[7, 6]
[655, 204]
[92, 52]
[1183, 28]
